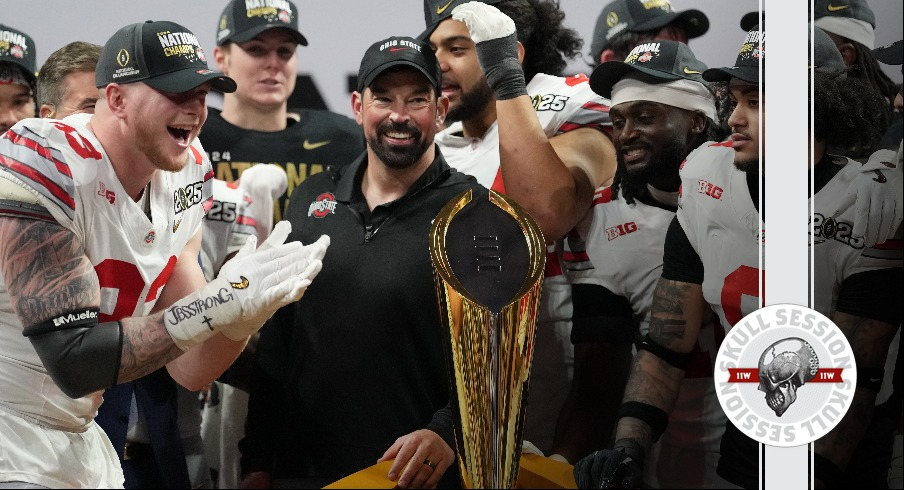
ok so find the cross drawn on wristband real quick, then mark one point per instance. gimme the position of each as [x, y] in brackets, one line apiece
[206, 321]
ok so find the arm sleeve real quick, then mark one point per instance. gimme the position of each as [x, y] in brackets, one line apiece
[680, 261]
[601, 316]
[874, 294]
[442, 424]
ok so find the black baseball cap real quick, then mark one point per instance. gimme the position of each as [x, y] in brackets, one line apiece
[18, 48]
[436, 11]
[654, 61]
[751, 19]
[396, 51]
[638, 16]
[826, 57]
[750, 57]
[243, 21]
[162, 54]
[890, 54]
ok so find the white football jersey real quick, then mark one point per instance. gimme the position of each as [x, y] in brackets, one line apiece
[625, 244]
[562, 105]
[65, 167]
[227, 226]
[724, 227]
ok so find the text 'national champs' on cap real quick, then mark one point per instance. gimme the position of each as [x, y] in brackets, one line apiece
[162, 54]
[18, 48]
[243, 20]
[396, 51]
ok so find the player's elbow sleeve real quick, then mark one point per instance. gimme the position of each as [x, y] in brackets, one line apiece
[81, 359]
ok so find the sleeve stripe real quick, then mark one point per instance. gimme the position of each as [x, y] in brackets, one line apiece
[595, 106]
[40, 183]
[246, 220]
[45, 152]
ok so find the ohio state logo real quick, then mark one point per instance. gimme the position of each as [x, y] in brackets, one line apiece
[324, 204]
[785, 375]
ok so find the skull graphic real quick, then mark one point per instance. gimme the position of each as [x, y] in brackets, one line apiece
[783, 368]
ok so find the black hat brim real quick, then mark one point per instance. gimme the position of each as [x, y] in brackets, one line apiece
[749, 74]
[892, 54]
[187, 79]
[695, 22]
[257, 30]
[605, 76]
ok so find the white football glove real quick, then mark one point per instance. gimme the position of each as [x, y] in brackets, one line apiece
[496, 41]
[875, 200]
[249, 289]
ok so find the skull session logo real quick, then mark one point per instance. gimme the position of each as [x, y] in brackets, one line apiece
[785, 375]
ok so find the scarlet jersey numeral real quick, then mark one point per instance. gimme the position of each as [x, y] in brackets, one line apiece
[126, 279]
[743, 281]
[78, 143]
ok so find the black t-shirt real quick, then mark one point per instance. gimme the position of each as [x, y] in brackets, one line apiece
[318, 140]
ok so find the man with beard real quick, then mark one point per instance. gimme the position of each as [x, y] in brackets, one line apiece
[359, 362]
[563, 123]
[661, 110]
[100, 222]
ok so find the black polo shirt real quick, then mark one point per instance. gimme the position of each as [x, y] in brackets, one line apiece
[365, 360]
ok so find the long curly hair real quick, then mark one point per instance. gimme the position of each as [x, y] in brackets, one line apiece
[848, 112]
[547, 43]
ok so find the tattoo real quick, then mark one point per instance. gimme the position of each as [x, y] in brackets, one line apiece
[654, 382]
[667, 321]
[45, 269]
[146, 347]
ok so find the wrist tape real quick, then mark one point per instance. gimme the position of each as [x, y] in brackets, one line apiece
[653, 416]
[499, 60]
[198, 316]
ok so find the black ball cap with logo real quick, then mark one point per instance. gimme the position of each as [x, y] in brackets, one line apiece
[750, 62]
[637, 16]
[436, 11]
[243, 21]
[396, 51]
[162, 54]
[19, 49]
[653, 62]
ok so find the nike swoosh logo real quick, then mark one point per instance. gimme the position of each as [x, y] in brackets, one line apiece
[833, 8]
[440, 10]
[313, 146]
[241, 285]
[880, 178]
[691, 72]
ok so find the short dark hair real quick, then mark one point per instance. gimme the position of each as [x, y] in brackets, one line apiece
[74, 57]
[548, 44]
[846, 112]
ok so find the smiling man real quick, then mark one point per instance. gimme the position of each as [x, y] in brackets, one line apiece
[100, 222]
[66, 81]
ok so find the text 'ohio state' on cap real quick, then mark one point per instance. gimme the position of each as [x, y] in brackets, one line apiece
[396, 51]
[243, 20]
[162, 54]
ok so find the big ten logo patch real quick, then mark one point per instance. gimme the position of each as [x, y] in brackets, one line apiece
[709, 189]
[614, 232]
[785, 375]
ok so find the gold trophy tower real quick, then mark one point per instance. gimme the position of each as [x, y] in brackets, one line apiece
[488, 258]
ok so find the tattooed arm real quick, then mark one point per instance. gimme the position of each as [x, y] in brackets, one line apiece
[676, 315]
[47, 274]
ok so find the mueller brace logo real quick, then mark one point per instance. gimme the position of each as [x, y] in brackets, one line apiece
[709, 189]
[324, 204]
[74, 317]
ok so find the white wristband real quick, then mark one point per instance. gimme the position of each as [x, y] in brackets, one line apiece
[197, 317]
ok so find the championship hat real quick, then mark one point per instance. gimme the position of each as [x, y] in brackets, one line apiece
[162, 54]
[243, 21]
[665, 72]
[826, 57]
[890, 54]
[642, 15]
[436, 11]
[852, 19]
[398, 51]
[655, 61]
[751, 56]
[18, 48]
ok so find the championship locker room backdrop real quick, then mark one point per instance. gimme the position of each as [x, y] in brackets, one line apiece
[338, 31]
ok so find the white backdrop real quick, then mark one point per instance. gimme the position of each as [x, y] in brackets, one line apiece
[339, 31]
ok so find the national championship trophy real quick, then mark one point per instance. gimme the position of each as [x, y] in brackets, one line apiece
[488, 258]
